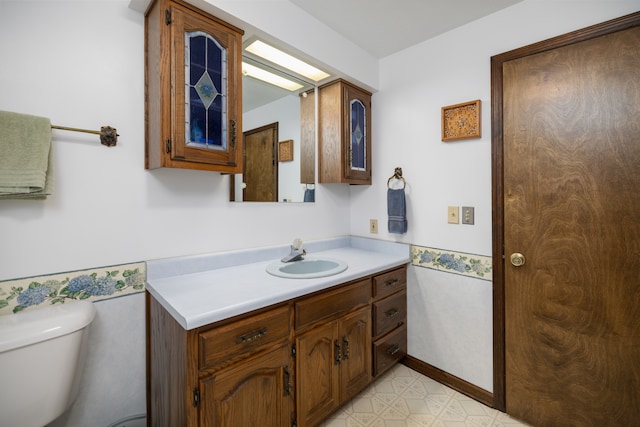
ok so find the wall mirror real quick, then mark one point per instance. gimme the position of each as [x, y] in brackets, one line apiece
[279, 137]
[279, 128]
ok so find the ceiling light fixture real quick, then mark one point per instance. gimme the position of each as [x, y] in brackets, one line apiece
[277, 56]
[266, 76]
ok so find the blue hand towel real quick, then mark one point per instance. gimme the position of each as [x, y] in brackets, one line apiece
[397, 211]
[25, 156]
[310, 195]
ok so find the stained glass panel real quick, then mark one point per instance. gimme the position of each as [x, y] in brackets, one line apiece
[358, 136]
[205, 92]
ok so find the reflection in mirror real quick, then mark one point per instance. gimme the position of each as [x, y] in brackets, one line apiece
[272, 116]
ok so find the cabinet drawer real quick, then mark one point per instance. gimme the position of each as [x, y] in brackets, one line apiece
[389, 349]
[330, 303]
[232, 340]
[389, 313]
[388, 283]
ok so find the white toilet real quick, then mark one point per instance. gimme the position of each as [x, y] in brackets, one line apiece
[42, 354]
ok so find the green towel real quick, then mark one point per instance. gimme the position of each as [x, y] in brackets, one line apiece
[25, 156]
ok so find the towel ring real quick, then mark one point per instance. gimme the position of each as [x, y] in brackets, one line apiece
[397, 174]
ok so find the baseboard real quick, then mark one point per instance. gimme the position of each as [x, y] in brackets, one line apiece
[458, 384]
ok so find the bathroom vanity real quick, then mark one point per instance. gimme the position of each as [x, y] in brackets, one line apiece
[275, 352]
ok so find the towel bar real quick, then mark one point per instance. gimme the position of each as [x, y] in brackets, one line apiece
[108, 135]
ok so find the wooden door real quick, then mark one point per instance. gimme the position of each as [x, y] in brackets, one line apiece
[249, 393]
[570, 194]
[317, 381]
[260, 174]
[355, 363]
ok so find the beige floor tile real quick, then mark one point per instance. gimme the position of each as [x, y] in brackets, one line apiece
[405, 398]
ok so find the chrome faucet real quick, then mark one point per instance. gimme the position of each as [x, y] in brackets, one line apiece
[297, 252]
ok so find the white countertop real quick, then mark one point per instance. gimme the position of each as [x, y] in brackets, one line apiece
[207, 288]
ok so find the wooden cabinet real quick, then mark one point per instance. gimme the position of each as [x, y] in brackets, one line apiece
[193, 108]
[389, 319]
[262, 384]
[295, 362]
[333, 358]
[308, 138]
[233, 373]
[344, 146]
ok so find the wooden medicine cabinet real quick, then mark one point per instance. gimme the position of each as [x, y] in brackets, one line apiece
[193, 107]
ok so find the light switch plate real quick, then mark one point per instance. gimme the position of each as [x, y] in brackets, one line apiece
[453, 214]
[467, 215]
[373, 226]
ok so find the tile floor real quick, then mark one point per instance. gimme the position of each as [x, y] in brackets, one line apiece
[403, 397]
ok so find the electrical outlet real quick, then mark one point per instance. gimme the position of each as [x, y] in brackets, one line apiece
[467, 215]
[373, 226]
[453, 215]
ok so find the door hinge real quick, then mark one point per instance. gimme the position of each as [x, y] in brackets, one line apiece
[167, 146]
[167, 17]
[293, 351]
[196, 397]
[294, 424]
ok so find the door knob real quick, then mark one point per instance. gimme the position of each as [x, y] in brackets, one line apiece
[517, 259]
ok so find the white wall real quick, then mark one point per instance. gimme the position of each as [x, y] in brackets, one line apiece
[450, 315]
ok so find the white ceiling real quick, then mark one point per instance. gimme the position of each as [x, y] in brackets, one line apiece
[383, 27]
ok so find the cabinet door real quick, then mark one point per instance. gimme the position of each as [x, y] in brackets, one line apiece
[253, 392]
[206, 118]
[355, 364]
[357, 110]
[317, 383]
[344, 130]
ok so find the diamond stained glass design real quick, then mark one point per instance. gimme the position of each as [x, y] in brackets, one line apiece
[358, 136]
[205, 92]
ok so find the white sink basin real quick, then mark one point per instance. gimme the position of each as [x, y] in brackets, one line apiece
[308, 268]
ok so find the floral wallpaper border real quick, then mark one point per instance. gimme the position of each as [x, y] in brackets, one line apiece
[477, 266]
[93, 284]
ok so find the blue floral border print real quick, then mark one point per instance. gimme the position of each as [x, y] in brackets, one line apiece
[94, 284]
[477, 266]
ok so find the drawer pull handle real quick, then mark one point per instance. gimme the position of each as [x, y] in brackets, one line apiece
[393, 350]
[251, 336]
[392, 313]
[233, 133]
[345, 348]
[391, 282]
[287, 381]
[336, 352]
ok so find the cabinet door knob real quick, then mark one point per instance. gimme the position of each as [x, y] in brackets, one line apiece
[517, 259]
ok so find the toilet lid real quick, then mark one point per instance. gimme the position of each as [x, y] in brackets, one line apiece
[43, 323]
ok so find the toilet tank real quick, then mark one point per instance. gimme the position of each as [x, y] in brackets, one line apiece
[42, 353]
